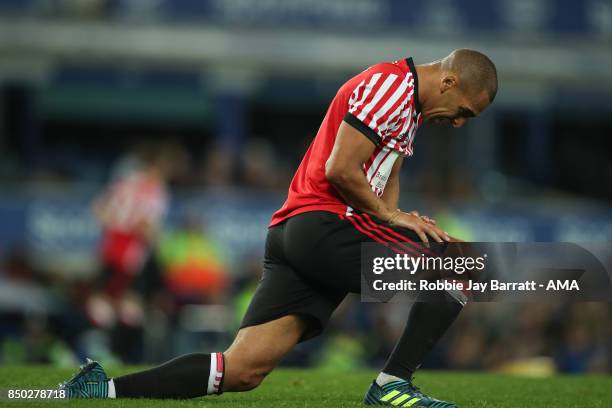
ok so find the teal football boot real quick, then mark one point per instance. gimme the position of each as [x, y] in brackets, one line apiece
[90, 382]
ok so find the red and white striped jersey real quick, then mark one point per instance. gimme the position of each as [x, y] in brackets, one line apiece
[382, 103]
[136, 199]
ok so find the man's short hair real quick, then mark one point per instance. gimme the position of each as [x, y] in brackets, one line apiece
[476, 71]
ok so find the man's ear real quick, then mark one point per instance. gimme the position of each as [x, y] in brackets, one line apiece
[447, 82]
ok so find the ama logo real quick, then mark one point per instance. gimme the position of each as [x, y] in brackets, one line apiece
[557, 285]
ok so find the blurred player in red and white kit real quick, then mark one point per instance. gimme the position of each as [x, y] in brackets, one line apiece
[344, 194]
[130, 213]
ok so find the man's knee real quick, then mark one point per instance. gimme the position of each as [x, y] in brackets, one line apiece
[250, 378]
[245, 370]
[257, 350]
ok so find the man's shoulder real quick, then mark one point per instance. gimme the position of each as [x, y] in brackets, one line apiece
[375, 72]
[398, 67]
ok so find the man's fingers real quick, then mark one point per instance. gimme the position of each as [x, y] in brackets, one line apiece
[443, 234]
[429, 220]
[422, 235]
[423, 218]
[432, 233]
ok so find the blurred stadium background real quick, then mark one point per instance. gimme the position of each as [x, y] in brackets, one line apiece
[231, 92]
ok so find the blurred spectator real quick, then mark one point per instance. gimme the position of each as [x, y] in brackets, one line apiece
[585, 345]
[260, 169]
[29, 312]
[193, 264]
[217, 167]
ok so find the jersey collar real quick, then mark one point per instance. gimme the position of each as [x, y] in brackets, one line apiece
[417, 103]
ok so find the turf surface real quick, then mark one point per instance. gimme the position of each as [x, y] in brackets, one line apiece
[313, 388]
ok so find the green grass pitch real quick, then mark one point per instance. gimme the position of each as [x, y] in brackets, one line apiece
[314, 388]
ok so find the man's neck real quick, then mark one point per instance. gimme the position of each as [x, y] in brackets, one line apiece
[429, 75]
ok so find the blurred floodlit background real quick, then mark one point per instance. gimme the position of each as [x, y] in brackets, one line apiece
[187, 118]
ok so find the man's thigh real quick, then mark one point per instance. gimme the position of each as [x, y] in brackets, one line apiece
[282, 291]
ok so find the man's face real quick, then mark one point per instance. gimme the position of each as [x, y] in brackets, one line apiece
[455, 106]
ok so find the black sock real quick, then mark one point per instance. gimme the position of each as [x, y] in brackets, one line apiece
[427, 322]
[188, 376]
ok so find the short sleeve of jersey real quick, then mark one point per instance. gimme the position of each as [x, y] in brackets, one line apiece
[378, 105]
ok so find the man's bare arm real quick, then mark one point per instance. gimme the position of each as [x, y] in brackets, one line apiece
[392, 188]
[344, 171]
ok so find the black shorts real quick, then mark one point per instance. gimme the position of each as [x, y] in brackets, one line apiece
[312, 261]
